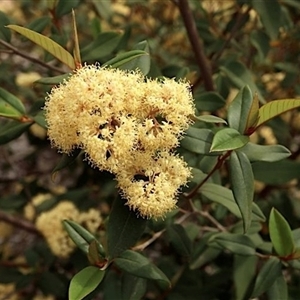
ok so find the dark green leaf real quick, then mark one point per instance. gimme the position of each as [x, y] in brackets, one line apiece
[276, 172]
[179, 239]
[228, 139]
[210, 119]
[242, 182]
[65, 7]
[124, 58]
[124, 228]
[12, 130]
[51, 283]
[236, 243]
[133, 288]
[224, 196]
[267, 275]
[209, 101]
[281, 234]
[39, 24]
[261, 42]
[103, 8]
[244, 270]
[104, 45]
[209, 254]
[5, 33]
[66, 160]
[84, 282]
[81, 237]
[279, 289]
[239, 109]
[40, 119]
[13, 101]
[270, 15]
[143, 62]
[265, 152]
[197, 140]
[138, 265]
[53, 80]
[239, 75]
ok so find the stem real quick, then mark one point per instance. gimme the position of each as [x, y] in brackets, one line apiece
[217, 166]
[197, 44]
[30, 58]
[209, 217]
[155, 236]
[23, 224]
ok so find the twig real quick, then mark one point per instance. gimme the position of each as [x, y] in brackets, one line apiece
[30, 58]
[209, 217]
[196, 43]
[217, 166]
[22, 224]
[156, 235]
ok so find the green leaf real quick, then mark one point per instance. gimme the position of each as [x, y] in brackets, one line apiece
[12, 101]
[40, 119]
[242, 181]
[39, 24]
[49, 45]
[5, 34]
[244, 270]
[210, 119]
[53, 80]
[224, 196]
[236, 243]
[179, 239]
[65, 7]
[239, 110]
[103, 45]
[66, 160]
[275, 173]
[124, 228]
[124, 58]
[84, 282]
[253, 116]
[267, 275]
[142, 63]
[240, 75]
[228, 139]
[208, 255]
[140, 266]
[12, 130]
[209, 101]
[270, 15]
[51, 283]
[265, 152]
[281, 234]
[275, 108]
[81, 237]
[279, 289]
[133, 288]
[8, 111]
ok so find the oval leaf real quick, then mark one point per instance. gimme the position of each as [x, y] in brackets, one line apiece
[267, 275]
[239, 109]
[12, 130]
[133, 288]
[81, 237]
[265, 152]
[210, 119]
[66, 160]
[281, 234]
[228, 139]
[124, 58]
[236, 243]
[209, 101]
[275, 108]
[84, 282]
[49, 45]
[12, 100]
[242, 181]
[279, 289]
[53, 80]
[179, 239]
[124, 228]
[138, 265]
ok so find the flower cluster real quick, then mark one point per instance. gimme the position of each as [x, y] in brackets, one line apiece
[49, 223]
[127, 125]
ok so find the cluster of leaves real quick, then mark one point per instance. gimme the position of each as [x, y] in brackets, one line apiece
[235, 233]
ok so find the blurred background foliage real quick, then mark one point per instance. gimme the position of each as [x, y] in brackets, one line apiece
[244, 42]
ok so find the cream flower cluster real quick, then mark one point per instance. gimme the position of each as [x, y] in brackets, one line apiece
[49, 223]
[127, 125]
